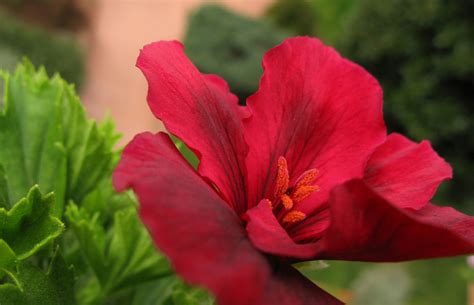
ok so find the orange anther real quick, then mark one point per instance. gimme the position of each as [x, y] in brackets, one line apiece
[287, 201]
[283, 178]
[307, 178]
[294, 216]
[303, 192]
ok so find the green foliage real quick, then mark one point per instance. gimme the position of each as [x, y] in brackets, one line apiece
[322, 18]
[56, 52]
[8, 59]
[7, 257]
[423, 59]
[32, 286]
[438, 282]
[47, 139]
[331, 18]
[4, 198]
[185, 294]
[382, 284]
[122, 257]
[433, 282]
[28, 226]
[185, 151]
[298, 16]
[221, 42]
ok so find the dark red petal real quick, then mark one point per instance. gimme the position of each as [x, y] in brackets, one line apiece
[267, 234]
[203, 238]
[201, 111]
[366, 227]
[142, 148]
[190, 223]
[316, 109]
[405, 173]
[221, 85]
[225, 90]
[289, 287]
[312, 228]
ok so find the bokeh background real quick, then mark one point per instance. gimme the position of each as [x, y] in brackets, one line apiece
[422, 52]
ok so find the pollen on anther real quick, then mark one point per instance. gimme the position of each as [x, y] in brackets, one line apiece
[304, 192]
[287, 201]
[307, 178]
[294, 216]
[283, 178]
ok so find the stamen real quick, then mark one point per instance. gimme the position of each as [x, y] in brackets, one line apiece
[288, 196]
[283, 178]
[294, 216]
[307, 178]
[304, 192]
[287, 201]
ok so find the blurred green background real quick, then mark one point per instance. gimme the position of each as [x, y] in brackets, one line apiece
[421, 51]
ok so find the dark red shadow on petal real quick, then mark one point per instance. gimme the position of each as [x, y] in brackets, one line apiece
[200, 110]
[203, 238]
[289, 287]
[366, 227]
[190, 223]
[225, 91]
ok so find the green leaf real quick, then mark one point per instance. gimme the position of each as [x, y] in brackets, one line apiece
[47, 140]
[123, 257]
[169, 291]
[7, 257]
[311, 265]
[31, 286]
[186, 152]
[184, 294]
[90, 149]
[29, 225]
[155, 293]
[132, 251]
[30, 133]
[90, 235]
[105, 201]
[4, 198]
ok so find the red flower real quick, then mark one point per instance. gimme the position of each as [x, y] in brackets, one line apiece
[305, 171]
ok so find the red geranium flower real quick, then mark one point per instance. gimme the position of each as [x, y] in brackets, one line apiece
[305, 171]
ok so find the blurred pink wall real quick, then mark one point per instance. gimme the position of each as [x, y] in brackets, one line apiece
[119, 29]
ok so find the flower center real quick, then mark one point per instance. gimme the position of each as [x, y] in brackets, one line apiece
[287, 198]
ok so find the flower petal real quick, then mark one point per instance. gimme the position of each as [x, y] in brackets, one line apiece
[268, 236]
[190, 223]
[366, 227]
[222, 85]
[289, 287]
[316, 109]
[203, 238]
[201, 111]
[142, 148]
[405, 173]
